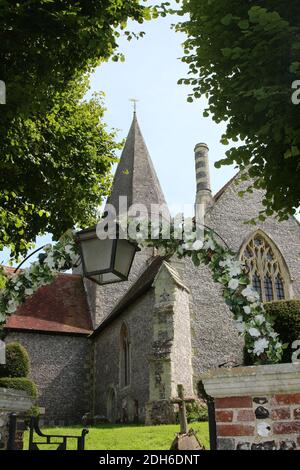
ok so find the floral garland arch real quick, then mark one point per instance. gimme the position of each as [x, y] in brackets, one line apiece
[251, 319]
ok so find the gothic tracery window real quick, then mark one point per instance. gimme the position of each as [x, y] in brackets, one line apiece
[125, 356]
[264, 268]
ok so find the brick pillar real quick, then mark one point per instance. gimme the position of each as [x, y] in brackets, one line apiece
[257, 408]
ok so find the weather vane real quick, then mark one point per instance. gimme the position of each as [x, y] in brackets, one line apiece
[134, 101]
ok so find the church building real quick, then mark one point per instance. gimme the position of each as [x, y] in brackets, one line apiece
[118, 351]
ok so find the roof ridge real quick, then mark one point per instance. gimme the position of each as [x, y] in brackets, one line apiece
[219, 193]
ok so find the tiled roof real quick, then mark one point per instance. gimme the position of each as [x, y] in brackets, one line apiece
[60, 307]
[9, 269]
[141, 286]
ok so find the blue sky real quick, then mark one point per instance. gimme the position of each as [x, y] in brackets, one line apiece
[171, 126]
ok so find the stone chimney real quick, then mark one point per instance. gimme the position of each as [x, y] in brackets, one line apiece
[203, 193]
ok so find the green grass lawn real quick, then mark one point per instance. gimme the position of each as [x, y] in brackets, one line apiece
[130, 437]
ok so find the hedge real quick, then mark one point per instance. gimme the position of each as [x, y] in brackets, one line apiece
[196, 411]
[17, 361]
[286, 317]
[21, 383]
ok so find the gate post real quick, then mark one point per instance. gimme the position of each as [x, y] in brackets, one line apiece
[257, 407]
[11, 443]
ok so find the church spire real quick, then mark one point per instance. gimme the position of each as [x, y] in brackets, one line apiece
[135, 176]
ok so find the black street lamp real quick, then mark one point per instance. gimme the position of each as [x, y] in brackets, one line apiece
[105, 261]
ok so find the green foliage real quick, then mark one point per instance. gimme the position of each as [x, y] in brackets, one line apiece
[45, 44]
[20, 383]
[34, 411]
[286, 316]
[196, 411]
[244, 56]
[56, 154]
[59, 168]
[17, 361]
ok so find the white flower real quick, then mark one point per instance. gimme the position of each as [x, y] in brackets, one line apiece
[225, 262]
[192, 236]
[209, 245]
[189, 237]
[233, 266]
[240, 325]
[2, 317]
[259, 319]
[61, 262]
[188, 245]
[29, 291]
[233, 284]
[197, 245]
[27, 274]
[69, 249]
[260, 345]
[273, 335]
[254, 332]
[180, 250]
[49, 260]
[235, 269]
[11, 306]
[247, 309]
[250, 294]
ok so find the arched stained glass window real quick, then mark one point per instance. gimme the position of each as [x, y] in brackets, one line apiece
[279, 287]
[262, 259]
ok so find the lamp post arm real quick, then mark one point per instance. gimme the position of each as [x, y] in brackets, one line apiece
[29, 256]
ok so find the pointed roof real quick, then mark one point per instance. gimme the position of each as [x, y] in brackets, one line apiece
[173, 273]
[135, 176]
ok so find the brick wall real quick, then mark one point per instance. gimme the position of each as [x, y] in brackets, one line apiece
[259, 422]
[263, 411]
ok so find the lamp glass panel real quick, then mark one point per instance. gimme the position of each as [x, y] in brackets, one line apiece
[96, 254]
[124, 256]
